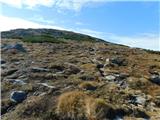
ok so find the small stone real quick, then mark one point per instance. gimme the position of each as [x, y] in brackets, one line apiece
[135, 99]
[3, 61]
[46, 85]
[18, 96]
[100, 66]
[9, 72]
[17, 81]
[118, 61]
[155, 79]
[110, 77]
[38, 69]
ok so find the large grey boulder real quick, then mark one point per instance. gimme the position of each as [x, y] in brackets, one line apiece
[18, 96]
[17, 46]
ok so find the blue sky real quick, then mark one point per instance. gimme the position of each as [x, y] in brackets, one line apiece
[131, 23]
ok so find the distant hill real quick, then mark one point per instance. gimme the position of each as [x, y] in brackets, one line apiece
[50, 35]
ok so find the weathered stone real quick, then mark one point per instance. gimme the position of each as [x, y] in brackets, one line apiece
[17, 81]
[18, 96]
[3, 61]
[9, 72]
[18, 47]
[46, 85]
[118, 61]
[137, 99]
[100, 66]
[155, 79]
[110, 77]
[38, 69]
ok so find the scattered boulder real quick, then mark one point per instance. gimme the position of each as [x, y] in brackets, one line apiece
[17, 81]
[9, 72]
[100, 66]
[18, 96]
[155, 79]
[137, 99]
[17, 47]
[118, 61]
[110, 77]
[39, 69]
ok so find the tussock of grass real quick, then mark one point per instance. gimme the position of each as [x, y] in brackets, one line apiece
[77, 105]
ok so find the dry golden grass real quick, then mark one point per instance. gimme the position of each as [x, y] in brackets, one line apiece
[98, 109]
[71, 105]
[77, 105]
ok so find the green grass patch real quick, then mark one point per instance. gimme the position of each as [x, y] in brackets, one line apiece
[42, 39]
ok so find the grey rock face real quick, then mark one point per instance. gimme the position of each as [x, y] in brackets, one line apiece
[18, 96]
[18, 47]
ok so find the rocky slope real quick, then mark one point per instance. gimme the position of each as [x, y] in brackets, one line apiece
[53, 75]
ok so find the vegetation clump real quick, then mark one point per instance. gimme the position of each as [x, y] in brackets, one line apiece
[42, 39]
[77, 105]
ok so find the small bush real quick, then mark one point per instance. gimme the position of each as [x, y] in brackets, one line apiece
[71, 106]
[77, 105]
[98, 109]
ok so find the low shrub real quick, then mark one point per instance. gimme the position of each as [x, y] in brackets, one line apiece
[77, 105]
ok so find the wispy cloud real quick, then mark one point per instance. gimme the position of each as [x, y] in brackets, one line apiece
[8, 23]
[143, 40]
[91, 32]
[63, 4]
[38, 18]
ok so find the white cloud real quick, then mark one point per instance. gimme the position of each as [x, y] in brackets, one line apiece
[38, 18]
[63, 4]
[145, 40]
[28, 3]
[91, 32]
[8, 23]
